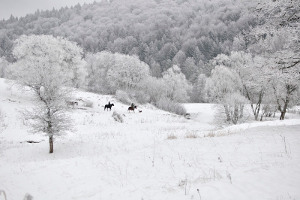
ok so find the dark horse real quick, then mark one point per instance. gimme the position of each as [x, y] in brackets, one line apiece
[131, 108]
[108, 106]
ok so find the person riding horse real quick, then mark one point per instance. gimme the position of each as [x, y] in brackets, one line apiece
[108, 106]
[132, 107]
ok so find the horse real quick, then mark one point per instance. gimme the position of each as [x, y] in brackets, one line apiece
[131, 108]
[108, 106]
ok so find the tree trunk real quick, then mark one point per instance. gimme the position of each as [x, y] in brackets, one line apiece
[289, 91]
[285, 106]
[227, 113]
[255, 109]
[235, 117]
[256, 117]
[261, 116]
[241, 111]
[51, 143]
[282, 115]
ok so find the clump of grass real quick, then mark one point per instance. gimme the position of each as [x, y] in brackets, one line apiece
[191, 135]
[221, 133]
[172, 137]
[28, 197]
[210, 134]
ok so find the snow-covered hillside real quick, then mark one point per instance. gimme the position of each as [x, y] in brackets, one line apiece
[152, 155]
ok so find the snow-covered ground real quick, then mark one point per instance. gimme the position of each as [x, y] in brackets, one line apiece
[152, 155]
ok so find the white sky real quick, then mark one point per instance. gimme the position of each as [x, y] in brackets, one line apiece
[20, 8]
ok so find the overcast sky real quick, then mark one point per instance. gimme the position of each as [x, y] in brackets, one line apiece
[20, 8]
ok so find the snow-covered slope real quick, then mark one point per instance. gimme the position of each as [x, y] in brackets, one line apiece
[152, 155]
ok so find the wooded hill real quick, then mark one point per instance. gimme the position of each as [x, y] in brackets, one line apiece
[160, 32]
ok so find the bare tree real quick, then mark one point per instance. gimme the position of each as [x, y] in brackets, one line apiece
[49, 114]
[46, 66]
[224, 87]
[277, 38]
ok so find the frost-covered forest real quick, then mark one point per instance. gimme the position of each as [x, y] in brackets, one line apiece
[175, 50]
[161, 33]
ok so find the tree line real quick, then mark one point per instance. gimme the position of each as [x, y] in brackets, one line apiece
[162, 33]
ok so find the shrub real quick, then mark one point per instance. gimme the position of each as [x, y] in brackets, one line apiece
[117, 117]
[170, 106]
[155, 88]
[123, 97]
[142, 97]
[233, 105]
[268, 110]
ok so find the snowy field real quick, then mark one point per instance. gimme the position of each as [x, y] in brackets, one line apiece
[153, 155]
